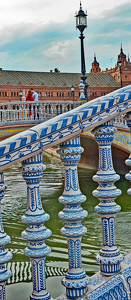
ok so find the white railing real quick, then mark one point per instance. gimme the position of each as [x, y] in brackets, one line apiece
[115, 277]
[21, 112]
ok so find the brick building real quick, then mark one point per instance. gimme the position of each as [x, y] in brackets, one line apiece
[95, 66]
[52, 85]
[115, 72]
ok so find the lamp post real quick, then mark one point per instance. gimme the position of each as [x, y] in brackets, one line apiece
[20, 95]
[81, 24]
[119, 63]
[72, 92]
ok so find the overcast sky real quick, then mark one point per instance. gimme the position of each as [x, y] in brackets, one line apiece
[40, 35]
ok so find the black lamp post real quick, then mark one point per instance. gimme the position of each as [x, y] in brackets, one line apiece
[119, 63]
[81, 24]
[20, 95]
[72, 92]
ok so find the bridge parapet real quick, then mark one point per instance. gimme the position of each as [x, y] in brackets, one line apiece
[21, 112]
[65, 130]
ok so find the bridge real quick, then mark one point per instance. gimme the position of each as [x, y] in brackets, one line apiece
[114, 279]
[15, 116]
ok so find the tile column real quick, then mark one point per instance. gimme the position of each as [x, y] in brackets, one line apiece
[36, 233]
[75, 280]
[109, 256]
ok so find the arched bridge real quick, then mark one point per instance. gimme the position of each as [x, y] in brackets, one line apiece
[114, 279]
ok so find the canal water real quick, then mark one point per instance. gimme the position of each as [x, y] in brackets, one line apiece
[14, 206]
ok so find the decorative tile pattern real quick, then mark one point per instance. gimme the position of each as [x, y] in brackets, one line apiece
[5, 255]
[75, 280]
[109, 256]
[36, 233]
[65, 126]
[113, 289]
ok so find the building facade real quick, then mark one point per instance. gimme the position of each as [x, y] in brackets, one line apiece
[52, 85]
[125, 74]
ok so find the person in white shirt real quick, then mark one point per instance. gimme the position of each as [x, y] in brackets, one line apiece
[35, 96]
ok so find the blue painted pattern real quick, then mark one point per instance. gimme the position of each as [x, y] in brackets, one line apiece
[109, 256]
[75, 279]
[5, 255]
[36, 233]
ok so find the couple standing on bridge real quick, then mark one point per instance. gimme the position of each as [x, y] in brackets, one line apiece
[32, 96]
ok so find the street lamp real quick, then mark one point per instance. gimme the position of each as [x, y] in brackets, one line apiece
[20, 95]
[81, 24]
[72, 92]
[119, 63]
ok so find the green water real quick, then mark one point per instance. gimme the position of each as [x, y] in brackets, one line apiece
[14, 206]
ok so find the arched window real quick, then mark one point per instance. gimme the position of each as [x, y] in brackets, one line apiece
[17, 94]
[57, 94]
[46, 94]
[14, 94]
[49, 94]
[2, 93]
[11, 94]
[62, 94]
[5, 94]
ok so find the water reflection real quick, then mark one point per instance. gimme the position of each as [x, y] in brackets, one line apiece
[14, 206]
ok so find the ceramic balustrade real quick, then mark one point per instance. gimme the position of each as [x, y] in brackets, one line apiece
[15, 112]
[76, 281]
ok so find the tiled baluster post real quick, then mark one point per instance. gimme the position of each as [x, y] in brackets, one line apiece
[36, 233]
[32, 111]
[16, 113]
[59, 110]
[75, 279]
[63, 108]
[44, 112]
[36, 111]
[48, 111]
[12, 113]
[128, 161]
[40, 111]
[24, 110]
[28, 111]
[8, 112]
[20, 112]
[3, 114]
[5, 256]
[51, 110]
[109, 256]
[55, 110]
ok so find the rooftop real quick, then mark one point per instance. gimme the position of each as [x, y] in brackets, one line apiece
[27, 78]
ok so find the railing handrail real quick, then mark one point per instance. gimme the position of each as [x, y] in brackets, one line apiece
[64, 127]
[56, 101]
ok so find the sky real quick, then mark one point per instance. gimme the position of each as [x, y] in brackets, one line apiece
[41, 35]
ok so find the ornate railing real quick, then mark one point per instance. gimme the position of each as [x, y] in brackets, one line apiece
[21, 112]
[114, 279]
